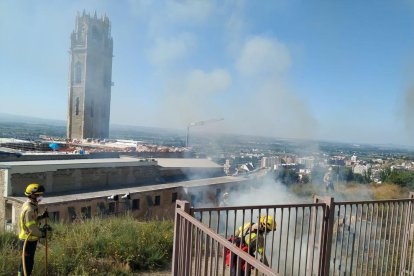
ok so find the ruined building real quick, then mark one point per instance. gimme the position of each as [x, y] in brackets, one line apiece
[90, 78]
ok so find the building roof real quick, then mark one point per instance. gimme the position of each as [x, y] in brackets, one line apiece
[186, 163]
[132, 190]
[53, 165]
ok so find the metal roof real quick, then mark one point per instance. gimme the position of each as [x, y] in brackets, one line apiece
[53, 165]
[186, 163]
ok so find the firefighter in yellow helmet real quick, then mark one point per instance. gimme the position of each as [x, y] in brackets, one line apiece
[30, 230]
[252, 237]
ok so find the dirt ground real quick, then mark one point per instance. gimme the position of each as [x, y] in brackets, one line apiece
[158, 273]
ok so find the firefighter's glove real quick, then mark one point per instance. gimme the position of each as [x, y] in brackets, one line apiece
[46, 227]
[43, 232]
[44, 215]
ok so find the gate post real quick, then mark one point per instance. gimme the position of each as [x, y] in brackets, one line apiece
[325, 242]
[406, 237]
[180, 232]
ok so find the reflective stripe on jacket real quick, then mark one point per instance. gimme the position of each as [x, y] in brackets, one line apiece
[249, 236]
[29, 222]
[251, 239]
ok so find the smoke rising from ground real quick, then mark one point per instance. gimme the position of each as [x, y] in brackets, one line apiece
[408, 112]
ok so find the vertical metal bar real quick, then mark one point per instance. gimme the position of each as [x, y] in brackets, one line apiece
[176, 242]
[187, 247]
[359, 238]
[347, 240]
[301, 238]
[336, 236]
[198, 250]
[280, 241]
[322, 239]
[369, 236]
[353, 236]
[342, 239]
[307, 242]
[364, 239]
[399, 236]
[385, 239]
[218, 221]
[257, 234]
[225, 235]
[404, 244]
[211, 256]
[190, 247]
[375, 239]
[395, 234]
[206, 250]
[330, 209]
[185, 206]
[217, 254]
[411, 258]
[354, 241]
[287, 241]
[389, 237]
[294, 240]
[409, 237]
[314, 239]
[273, 239]
[380, 238]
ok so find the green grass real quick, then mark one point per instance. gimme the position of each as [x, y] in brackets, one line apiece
[112, 246]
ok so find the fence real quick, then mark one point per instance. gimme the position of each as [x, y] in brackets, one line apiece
[320, 238]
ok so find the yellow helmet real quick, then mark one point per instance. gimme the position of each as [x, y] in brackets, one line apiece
[34, 189]
[267, 222]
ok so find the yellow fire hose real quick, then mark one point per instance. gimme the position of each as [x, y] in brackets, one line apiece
[23, 254]
[24, 251]
[46, 248]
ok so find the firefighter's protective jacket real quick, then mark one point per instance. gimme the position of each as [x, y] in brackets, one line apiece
[250, 236]
[29, 222]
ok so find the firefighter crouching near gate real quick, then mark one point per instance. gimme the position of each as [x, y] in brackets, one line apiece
[251, 238]
[30, 230]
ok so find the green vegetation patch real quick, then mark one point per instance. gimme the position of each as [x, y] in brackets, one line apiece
[114, 246]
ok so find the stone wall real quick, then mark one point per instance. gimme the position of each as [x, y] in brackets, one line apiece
[146, 205]
[149, 207]
[70, 180]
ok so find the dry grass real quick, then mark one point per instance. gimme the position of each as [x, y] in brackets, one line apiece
[352, 191]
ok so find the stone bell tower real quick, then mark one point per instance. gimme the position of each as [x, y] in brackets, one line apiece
[90, 79]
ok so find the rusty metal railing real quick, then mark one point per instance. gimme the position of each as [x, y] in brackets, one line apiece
[373, 238]
[198, 250]
[293, 249]
[320, 238]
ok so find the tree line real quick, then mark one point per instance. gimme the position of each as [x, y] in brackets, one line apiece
[290, 176]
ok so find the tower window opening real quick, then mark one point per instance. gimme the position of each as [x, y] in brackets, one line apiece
[77, 106]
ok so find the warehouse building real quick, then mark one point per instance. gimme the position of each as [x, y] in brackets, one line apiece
[81, 189]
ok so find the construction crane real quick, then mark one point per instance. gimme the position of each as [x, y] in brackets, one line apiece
[200, 123]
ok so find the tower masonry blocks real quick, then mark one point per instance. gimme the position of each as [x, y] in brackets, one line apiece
[90, 78]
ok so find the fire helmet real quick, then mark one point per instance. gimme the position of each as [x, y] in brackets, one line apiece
[267, 222]
[34, 189]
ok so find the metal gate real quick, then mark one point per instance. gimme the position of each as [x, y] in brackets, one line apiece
[320, 238]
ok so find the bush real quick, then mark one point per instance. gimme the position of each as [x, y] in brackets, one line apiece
[118, 246]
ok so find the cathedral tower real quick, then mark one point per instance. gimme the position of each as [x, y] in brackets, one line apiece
[90, 78]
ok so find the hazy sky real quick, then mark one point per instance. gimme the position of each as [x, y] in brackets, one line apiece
[335, 70]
